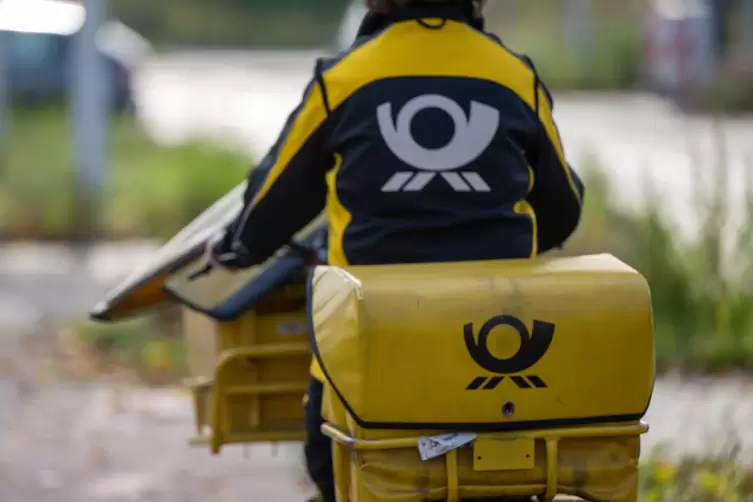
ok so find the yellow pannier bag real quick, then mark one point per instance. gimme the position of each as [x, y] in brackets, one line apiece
[542, 368]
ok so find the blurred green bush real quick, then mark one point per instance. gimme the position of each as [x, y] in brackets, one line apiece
[701, 289]
[614, 64]
[233, 23]
[151, 349]
[718, 478]
[536, 28]
[151, 190]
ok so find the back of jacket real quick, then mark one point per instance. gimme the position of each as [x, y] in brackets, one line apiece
[436, 143]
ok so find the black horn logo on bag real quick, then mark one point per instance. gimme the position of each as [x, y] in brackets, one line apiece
[533, 345]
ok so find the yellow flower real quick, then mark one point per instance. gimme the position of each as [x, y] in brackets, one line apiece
[156, 356]
[664, 473]
[709, 481]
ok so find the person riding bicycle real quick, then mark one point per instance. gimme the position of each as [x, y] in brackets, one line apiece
[426, 141]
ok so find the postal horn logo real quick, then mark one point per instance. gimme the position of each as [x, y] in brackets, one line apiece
[473, 134]
[533, 345]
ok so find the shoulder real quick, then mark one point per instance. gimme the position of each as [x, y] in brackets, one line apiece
[363, 39]
[317, 87]
[524, 58]
[527, 61]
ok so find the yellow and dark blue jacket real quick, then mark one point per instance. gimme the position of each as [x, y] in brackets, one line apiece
[426, 141]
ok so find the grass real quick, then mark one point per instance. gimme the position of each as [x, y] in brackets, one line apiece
[150, 190]
[151, 350]
[232, 23]
[720, 478]
[703, 318]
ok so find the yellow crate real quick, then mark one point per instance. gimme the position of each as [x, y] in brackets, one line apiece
[201, 390]
[420, 403]
[594, 462]
[249, 375]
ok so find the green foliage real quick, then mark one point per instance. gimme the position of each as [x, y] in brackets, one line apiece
[720, 478]
[36, 187]
[233, 22]
[151, 190]
[151, 348]
[535, 28]
[614, 63]
[700, 289]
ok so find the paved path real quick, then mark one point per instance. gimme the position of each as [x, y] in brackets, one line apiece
[49, 283]
[81, 444]
[98, 443]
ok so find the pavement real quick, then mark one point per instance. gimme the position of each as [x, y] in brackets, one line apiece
[103, 442]
[82, 443]
[52, 284]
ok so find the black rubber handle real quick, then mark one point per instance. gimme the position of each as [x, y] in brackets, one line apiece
[235, 257]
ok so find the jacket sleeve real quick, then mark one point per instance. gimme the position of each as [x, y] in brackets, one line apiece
[288, 189]
[557, 193]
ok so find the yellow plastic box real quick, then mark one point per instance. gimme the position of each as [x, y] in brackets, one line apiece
[250, 374]
[545, 367]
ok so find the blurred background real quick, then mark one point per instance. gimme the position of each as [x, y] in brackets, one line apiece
[122, 120]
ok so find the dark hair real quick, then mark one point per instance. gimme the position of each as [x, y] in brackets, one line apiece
[377, 20]
[389, 5]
